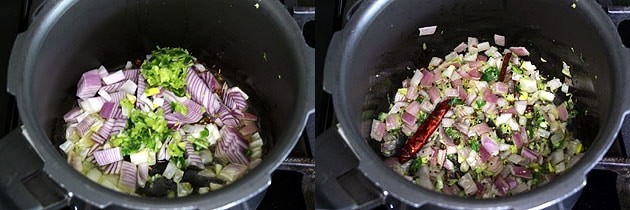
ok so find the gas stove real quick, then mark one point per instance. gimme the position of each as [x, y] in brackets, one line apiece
[608, 184]
[292, 185]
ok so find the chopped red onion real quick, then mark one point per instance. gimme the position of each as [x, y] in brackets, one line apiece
[501, 185]
[520, 51]
[562, 112]
[408, 118]
[461, 47]
[249, 129]
[429, 30]
[510, 110]
[200, 93]
[469, 185]
[521, 172]
[405, 83]
[520, 106]
[193, 159]
[482, 128]
[163, 152]
[397, 106]
[108, 109]
[475, 64]
[412, 93]
[249, 117]
[378, 130]
[450, 92]
[463, 74]
[232, 146]
[427, 78]
[71, 116]
[530, 155]
[448, 122]
[489, 97]
[472, 43]
[417, 77]
[113, 87]
[482, 58]
[128, 175]
[434, 94]
[474, 74]
[499, 40]
[392, 122]
[413, 108]
[132, 74]
[119, 125]
[490, 145]
[89, 84]
[107, 156]
[226, 117]
[104, 132]
[211, 82]
[114, 168]
[84, 126]
[500, 88]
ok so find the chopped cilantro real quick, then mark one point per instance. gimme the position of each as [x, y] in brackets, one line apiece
[422, 116]
[415, 165]
[178, 107]
[490, 74]
[167, 68]
[480, 103]
[143, 130]
[516, 69]
[452, 133]
[204, 133]
[456, 101]
[474, 143]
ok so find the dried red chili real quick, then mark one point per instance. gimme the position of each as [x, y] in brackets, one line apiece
[424, 131]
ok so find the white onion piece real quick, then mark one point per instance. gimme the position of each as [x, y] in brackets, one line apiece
[429, 30]
[520, 51]
[483, 46]
[469, 185]
[461, 47]
[232, 172]
[114, 77]
[499, 40]
[143, 174]
[128, 87]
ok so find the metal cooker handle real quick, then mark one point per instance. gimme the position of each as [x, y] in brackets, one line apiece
[340, 184]
[23, 183]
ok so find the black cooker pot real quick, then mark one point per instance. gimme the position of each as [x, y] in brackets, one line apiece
[370, 56]
[256, 43]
